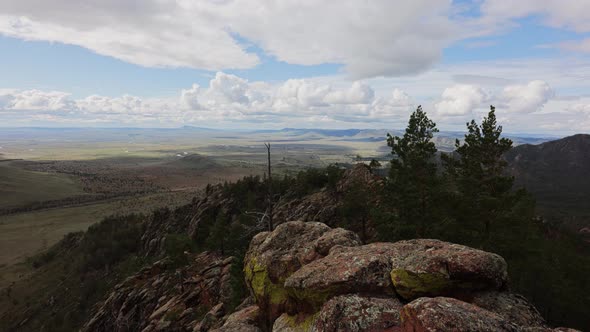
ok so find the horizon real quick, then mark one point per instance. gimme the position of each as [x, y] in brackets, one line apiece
[246, 130]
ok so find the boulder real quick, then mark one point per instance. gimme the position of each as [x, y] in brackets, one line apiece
[447, 314]
[512, 307]
[411, 268]
[425, 267]
[273, 256]
[355, 313]
[344, 270]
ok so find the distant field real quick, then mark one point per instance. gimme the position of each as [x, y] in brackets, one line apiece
[19, 187]
[25, 234]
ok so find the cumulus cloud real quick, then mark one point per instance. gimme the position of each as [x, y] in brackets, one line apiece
[296, 94]
[526, 98]
[189, 98]
[460, 99]
[370, 38]
[396, 106]
[358, 93]
[33, 100]
[228, 88]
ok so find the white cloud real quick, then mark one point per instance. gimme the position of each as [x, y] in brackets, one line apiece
[568, 14]
[229, 89]
[397, 106]
[358, 93]
[460, 99]
[229, 101]
[189, 98]
[370, 38]
[527, 98]
[297, 94]
[33, 100]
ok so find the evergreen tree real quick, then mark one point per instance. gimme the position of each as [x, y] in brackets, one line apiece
[484, 188]
[413, 179]
[355, 209]
[218, 234]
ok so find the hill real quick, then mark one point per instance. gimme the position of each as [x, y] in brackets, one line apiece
[558, 174]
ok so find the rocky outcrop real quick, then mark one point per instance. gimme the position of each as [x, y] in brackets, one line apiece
[159, 298]
[306, 276]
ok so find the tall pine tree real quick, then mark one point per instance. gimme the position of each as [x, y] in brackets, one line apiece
[487, 205]
[413, 180]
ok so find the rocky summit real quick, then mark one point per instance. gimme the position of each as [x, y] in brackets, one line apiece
[306, 276]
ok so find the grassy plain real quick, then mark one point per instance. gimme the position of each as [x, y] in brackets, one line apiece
[19, 186]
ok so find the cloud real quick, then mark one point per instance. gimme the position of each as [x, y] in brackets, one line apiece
[298, 94]
[567, 14]
[229, 101]
[526, 98]
[581, 46]
[33, 100]
[460, 100]
[189, 98]
[370, 38]
[358, 93]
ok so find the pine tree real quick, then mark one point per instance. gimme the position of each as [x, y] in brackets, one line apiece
[488, 212]
[413, 179]
[218, 234]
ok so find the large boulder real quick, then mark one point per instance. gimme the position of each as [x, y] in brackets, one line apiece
[345, 270]
[447, 314]
[425, 267]
[355, 313]
[411, 269]
[274, 256]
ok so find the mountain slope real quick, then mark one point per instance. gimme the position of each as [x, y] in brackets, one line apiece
[557, 173]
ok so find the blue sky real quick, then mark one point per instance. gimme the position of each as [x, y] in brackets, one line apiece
[343, 64]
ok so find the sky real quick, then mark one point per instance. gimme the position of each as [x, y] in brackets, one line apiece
[253, 64]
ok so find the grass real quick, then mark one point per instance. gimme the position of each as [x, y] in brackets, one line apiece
[26, 234]
[19, 187]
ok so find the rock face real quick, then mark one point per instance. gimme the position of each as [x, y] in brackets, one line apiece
[159, 298]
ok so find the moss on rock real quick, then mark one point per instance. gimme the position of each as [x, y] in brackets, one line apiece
[411, 285]
[295, 323]
[263, 288]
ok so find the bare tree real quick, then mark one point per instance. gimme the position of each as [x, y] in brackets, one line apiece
[270, 198]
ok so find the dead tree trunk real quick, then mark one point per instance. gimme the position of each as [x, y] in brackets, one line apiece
[270, 198]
